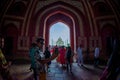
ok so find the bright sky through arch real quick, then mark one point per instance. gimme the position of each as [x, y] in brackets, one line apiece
[59, 30]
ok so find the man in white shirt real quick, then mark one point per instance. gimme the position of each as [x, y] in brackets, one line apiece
[79, 55]
[96, 56]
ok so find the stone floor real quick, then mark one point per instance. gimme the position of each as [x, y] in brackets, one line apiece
[56, 72]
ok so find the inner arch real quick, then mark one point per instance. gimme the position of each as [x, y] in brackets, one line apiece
[59, 30]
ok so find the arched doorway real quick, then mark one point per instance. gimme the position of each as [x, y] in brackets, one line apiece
[48, 15]
[107, 34]
[60, 17]
[61, 31]
[10, 33]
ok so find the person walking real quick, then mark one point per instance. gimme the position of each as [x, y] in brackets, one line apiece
[62, 52]
[79, 56]
[47, 55]
[96, 56]
[69, 58]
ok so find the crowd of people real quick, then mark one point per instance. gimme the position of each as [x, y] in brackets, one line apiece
[40, 60]
[65, 57]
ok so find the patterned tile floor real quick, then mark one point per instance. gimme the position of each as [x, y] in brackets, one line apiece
[56, 72]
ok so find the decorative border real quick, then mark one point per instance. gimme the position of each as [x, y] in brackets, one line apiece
[23, 43]
[94, 41]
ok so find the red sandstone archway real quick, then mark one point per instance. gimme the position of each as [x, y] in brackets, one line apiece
[56, 18]
[48, 15]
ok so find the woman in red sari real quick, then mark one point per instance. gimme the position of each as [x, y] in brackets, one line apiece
[62, 55]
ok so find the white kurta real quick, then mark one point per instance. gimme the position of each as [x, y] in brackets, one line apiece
[97, 51]
[80, 56]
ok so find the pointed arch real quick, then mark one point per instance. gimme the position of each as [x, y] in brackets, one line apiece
[10, 31]
[48, 15]
[65, 11]
[59, 30]
[71, 25]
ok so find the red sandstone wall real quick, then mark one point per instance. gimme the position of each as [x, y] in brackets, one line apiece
[90, 22]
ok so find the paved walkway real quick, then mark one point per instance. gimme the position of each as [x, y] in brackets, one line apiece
[56, 72]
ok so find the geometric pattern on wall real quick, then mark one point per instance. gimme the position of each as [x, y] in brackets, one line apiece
[23, 43]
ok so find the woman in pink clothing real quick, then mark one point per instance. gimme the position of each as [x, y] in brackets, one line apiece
[62, 55]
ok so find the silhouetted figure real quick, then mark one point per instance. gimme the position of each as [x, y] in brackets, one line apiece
[79, 56]
[96, 56]
[69, 58]
[47, 55]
